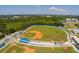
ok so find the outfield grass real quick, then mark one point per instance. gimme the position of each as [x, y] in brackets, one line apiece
[19, 49]
[48, 33]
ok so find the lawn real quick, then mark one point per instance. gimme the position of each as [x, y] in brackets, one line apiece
[70, 25]
[45, 33]
[77, 35]
[21, 48]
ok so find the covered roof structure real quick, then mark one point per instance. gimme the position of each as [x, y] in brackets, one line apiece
[75, 31]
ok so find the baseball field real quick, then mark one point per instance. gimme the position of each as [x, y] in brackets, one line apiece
[45, 33]
[40, 33]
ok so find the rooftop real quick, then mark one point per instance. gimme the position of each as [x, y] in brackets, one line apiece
[75, 30]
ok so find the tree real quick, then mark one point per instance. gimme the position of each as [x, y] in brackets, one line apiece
[1, 35]
[12, 30]
[2, 27]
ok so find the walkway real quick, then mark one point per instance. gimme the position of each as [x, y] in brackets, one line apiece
[46, 44]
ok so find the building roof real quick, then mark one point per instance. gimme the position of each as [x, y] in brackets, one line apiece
[71, 19]
[68, 18]
[75, 30]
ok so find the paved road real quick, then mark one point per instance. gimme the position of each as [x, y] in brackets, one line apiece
[10, 38]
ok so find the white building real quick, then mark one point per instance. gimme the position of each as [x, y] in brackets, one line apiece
[68, 19]
[71, 20]
[74, 19]
[48, 16]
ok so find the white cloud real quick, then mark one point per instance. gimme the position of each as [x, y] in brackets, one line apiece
[57, 9]
[37, 5]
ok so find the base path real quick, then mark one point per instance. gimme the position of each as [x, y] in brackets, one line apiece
[38, 34]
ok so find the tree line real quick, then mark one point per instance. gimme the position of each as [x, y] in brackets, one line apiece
[26, 21]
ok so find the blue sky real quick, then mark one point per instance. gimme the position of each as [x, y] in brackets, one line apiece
[39, 9]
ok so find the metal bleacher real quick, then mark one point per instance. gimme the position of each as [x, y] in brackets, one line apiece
[76, 43]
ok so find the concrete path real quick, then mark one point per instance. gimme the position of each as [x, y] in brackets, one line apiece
[46, 44]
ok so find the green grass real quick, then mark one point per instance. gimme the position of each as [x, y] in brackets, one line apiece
[77, 35]
[11, 47]
[40, 49]
[16, 48]
[48, 33]
[70, 25]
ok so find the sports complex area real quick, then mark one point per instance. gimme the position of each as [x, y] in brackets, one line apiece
[40, 39]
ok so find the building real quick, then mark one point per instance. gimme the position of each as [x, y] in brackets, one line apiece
[48, 16]
[74, 19]
[71, 20]
[68, 19]
[75, 31]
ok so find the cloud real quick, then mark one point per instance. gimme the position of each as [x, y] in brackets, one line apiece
[57, 9]
[37, 5]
